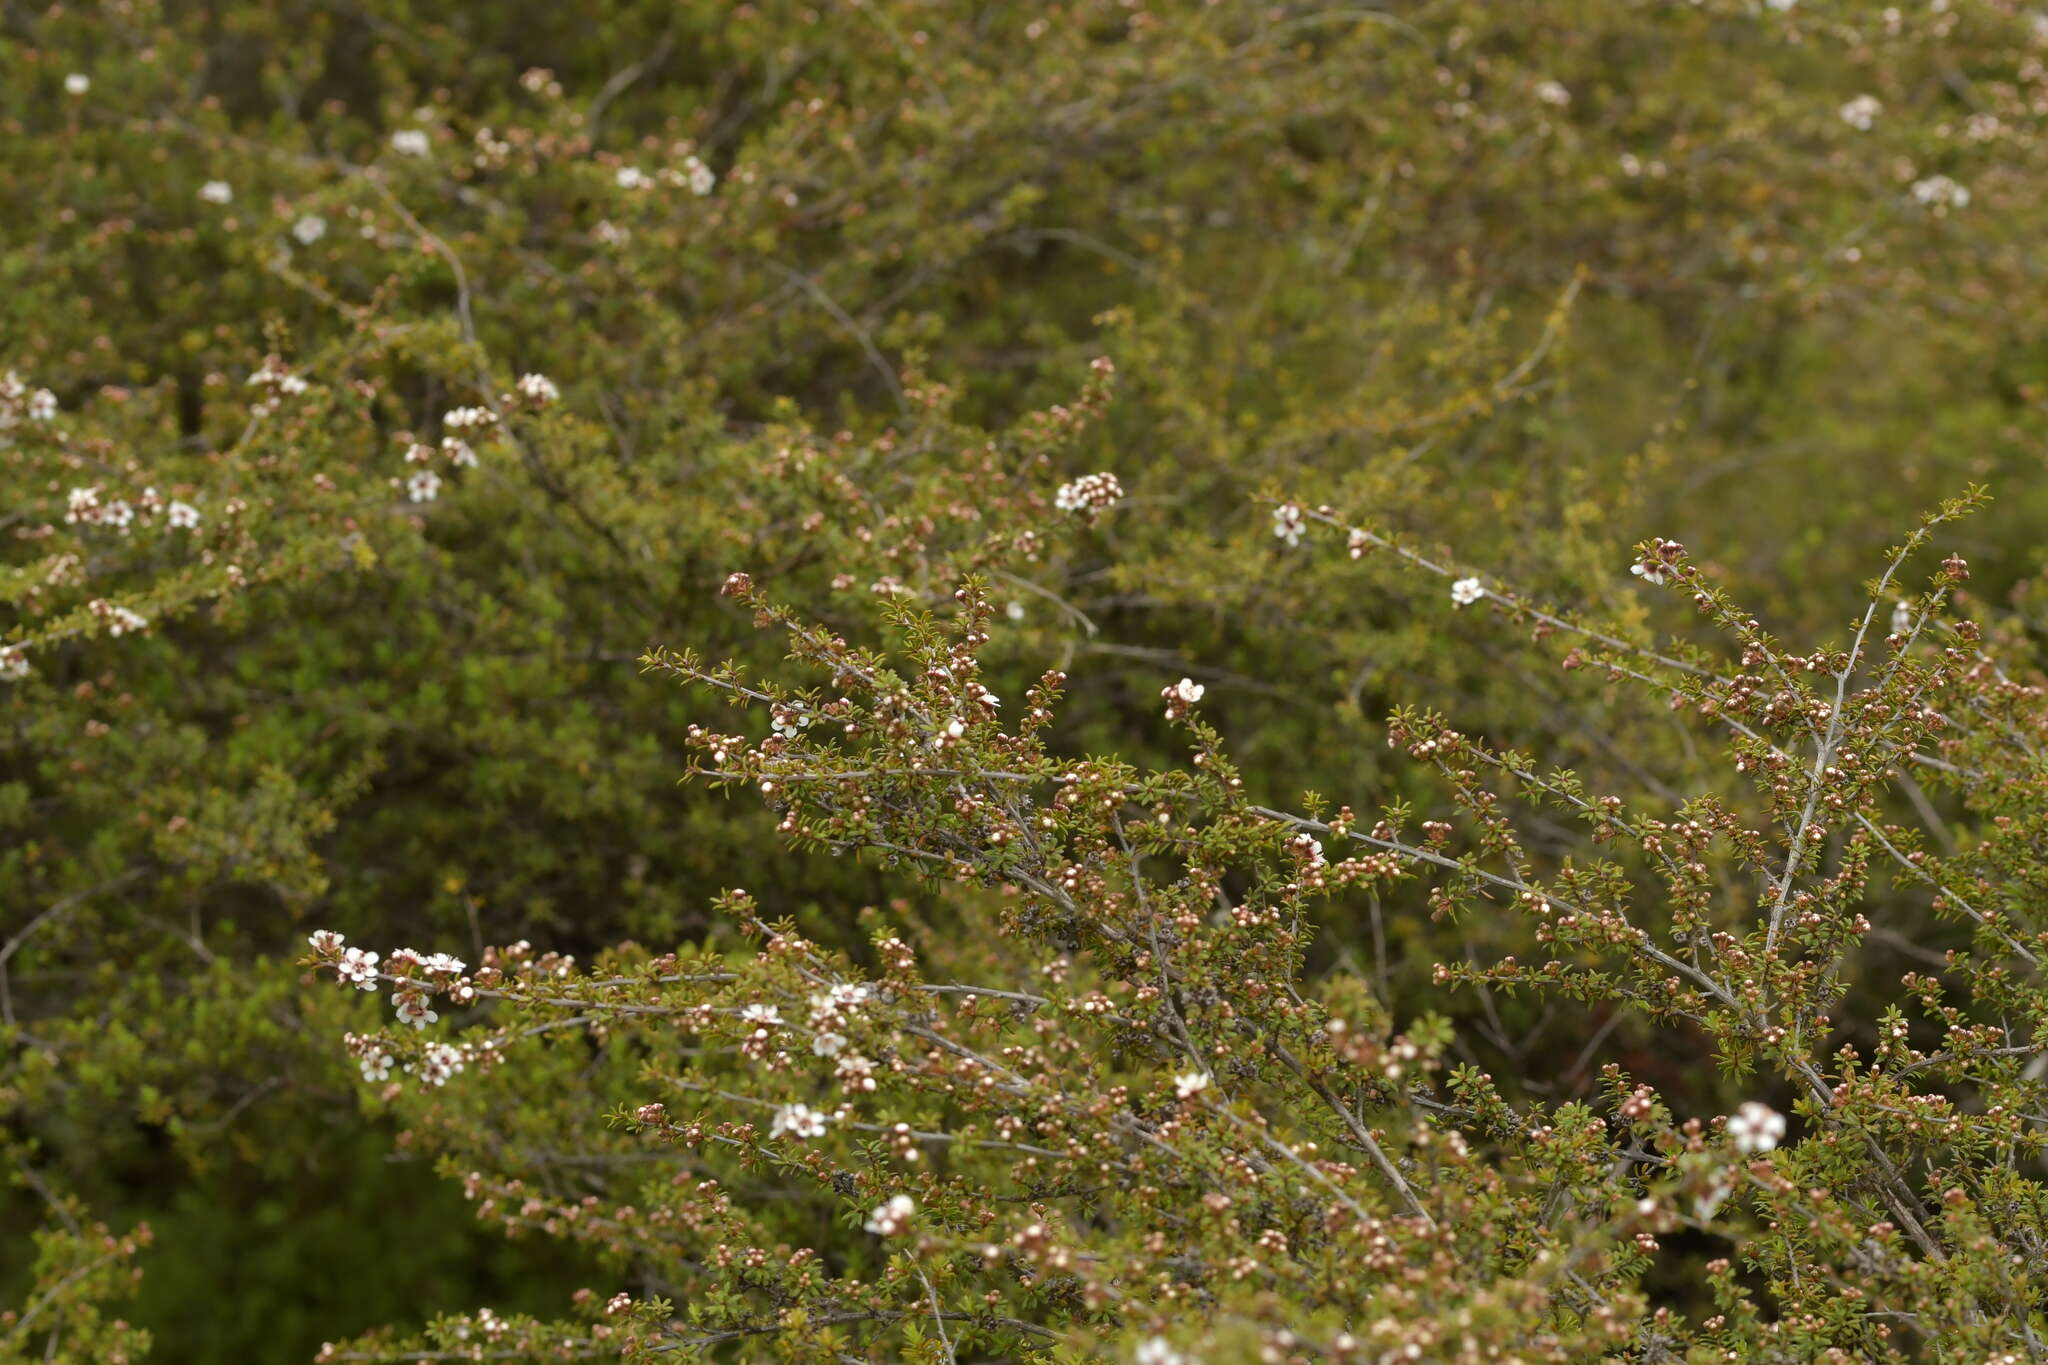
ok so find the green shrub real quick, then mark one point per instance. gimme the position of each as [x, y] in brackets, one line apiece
[386, 381]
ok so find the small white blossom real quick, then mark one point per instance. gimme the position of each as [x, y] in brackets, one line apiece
[1861, 112]
[1940, 193]
[459, 419]
[856, 1072]
[42, 406]
[1088, 493]
[423, 486]
[766, 1015]
[413, 1008]
[1288, 523]
[325, 941]
[1157, 1351]
[14, 663]
[701, 178]
[800, 1120]
[1189, 691]
[359, 968]
[377, 1067]
[439, 1063]
[309, 229]
[459, 452]
[1781, 5]
[125, 621]
[630, 178]
[1552, 93]
[1190, 1084]
[828, 1044]
[217, 192]
[892, 1217]
[410, 142]
[1466, 591]
[77, 83]
[1902, 616]
[1649, 574]
[1755, 1127]
[538, 387]
[1309, 848]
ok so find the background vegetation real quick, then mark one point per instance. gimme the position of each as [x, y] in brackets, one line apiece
[817, 292]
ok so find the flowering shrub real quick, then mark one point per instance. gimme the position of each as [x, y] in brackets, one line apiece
[374, 399]
[1120, 1111]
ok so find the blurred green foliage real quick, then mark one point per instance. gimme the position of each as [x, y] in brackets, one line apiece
[1533, 280]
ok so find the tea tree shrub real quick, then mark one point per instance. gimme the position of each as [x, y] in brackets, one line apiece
[384, 382]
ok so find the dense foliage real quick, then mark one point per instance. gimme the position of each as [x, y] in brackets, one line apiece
[1217, 855]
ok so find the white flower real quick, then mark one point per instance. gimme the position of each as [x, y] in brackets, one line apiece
[1014, 610]
[1719, 1187]
[410, 142]
[183, 515]
[610, 233]
[440, 1062]
[538, 387]
[309, 229]
[84, 504]
[1088, 493]
[42, 405]
[1288, 523]
[459, 452]
[377, 1067]
[1157, 1351]
[423, 486]
[890, 1218]
[630, 178]
[798, 1119]
[458, 419]
[1309, 848]
[413, 1008]
[1649, 574]
[1940, 193]
[1755, 1127]
[1902, 616]
[1781, 5]
[1466, 591]
[1189, 691]
[324, 941]
[14, 663]
[216, 192]
[1192, 1083]
[766, 1015]
[117, 514]
[77, 83]
[1553, 94]
[1861, 112]
[360, 968]
[125, 621]
[828, 1044]
[856, 1072]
